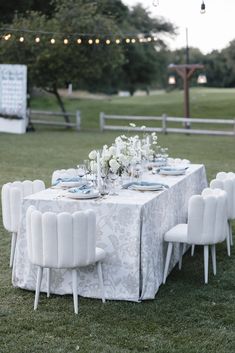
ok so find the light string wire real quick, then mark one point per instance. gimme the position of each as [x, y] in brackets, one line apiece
[80, 37]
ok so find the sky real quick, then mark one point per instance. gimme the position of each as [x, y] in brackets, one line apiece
[212, 30]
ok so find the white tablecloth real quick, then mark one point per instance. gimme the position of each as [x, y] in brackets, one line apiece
[130, 228]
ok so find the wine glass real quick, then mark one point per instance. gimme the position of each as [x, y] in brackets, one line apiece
[81, 170]
[113, 177]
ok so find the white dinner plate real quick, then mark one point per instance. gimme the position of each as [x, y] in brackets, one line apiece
[80, 195]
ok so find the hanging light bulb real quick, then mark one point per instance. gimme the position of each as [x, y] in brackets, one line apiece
[66, 41]
[133, 40]
[117, 41]
[203, 8]
[155, 3]
[108, 41]
[21, 39]
[90, 41]
[202, 79]
[97, 41]
[52, 41]
[79, 41]
[37, 39]
[171, 80]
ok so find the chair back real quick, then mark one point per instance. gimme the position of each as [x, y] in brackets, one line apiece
[61, 240]
[207, 216]
[226, 182]
[63, 173]
[12, 196]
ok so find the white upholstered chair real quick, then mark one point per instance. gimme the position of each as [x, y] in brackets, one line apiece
[63, 241]
[226, 181]
[207, 216]
[12, 196]
[63, 173]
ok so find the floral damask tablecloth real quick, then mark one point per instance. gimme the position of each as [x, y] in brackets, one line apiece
[130, 228]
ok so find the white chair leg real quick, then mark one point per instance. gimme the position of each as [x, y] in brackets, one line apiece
[206, 261]
[213, 255]
[168, 258]
[228, 240]
[181, 247]
[75, 290]
[48, 282]
[101, 282]
[192, 249]
[38, 286]
[230, 233]
[13, 246]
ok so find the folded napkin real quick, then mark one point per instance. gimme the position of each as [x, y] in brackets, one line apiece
[144, 183]
[84, 189]
[67, 180]
[172, 169]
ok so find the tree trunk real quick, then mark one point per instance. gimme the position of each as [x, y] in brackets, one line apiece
[61, 103]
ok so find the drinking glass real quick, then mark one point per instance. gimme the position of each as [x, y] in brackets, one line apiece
[113, 177]
[81, 170]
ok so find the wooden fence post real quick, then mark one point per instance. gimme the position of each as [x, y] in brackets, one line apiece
[102, 117]
[164, 124]
[78, 120]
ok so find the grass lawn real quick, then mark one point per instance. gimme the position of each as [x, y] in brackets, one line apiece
[186, 315]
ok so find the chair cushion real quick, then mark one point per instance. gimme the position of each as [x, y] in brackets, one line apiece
[99, 254]
[177, 234]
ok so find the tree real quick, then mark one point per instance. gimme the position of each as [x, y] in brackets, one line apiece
[50, 66]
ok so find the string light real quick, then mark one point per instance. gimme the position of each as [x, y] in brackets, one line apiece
[7, 36]
[203, 8]
[138, 38]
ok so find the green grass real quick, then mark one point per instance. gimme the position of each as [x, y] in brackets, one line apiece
[186, 315]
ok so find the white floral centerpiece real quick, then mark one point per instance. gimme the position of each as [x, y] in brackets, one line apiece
[125, 151]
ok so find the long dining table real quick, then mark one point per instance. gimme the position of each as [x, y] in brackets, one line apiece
[130, 228]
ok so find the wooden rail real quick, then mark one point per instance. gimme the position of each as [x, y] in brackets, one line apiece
[41, 113]
[164, 124]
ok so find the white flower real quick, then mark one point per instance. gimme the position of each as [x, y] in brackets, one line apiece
[143, 127]
[123, 160]
[114, 165]
[93, 166]
[112, 150]
[132, 125]
[92, 155]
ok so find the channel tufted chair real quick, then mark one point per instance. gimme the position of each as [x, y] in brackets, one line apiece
[63, 173]
[207, 217]
[226, 181]
[63, 241]
[12, 196]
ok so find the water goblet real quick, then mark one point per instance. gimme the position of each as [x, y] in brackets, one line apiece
[81, 170]
[113, 177]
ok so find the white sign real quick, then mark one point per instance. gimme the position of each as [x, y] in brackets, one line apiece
[13, 98]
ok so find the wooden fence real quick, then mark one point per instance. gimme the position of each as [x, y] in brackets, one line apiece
[42, 113]
[164, 128]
